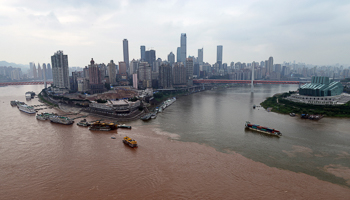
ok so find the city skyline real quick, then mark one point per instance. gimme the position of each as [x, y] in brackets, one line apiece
[309, 32]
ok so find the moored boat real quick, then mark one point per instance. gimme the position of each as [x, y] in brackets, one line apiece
[132, 143]
[30, 94]
[101, 126]
[61, 120]
[84, 123]
[124, 126]
[146, 117]
[262, 129]
[26, 108]
[43, 116]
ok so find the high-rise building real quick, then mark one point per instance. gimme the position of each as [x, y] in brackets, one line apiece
[49, 71]
[134, 81]
[94, 73]
[31, 65]
[44, 75]
[171, 58]
[143, 50]
[134, 66]
[126, 53]
[178, 54]
[40, 72]
[112, 73]
[35, 73]
[183, 41]
[144, 75]
[60, 70]
[122, 68]
[219, 56]
[179, 74]
[150, 58]
[165, 76]
[200, 56]
[270, 65]
[189, 71]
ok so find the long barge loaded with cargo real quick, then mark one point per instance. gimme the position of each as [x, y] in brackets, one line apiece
[262, 129]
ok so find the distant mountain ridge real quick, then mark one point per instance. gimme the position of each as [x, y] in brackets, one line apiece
[7, 64]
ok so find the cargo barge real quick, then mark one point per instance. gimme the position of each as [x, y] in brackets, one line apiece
[98, 126]
[262, 129]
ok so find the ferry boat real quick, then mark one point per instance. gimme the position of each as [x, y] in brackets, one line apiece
[61, 120]
[262, 129]
[132, 143]
[98, 126]
[25, 108]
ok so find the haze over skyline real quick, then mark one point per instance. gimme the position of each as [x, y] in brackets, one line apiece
[314, 32]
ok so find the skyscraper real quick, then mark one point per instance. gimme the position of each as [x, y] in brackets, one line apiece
[94, 73]
[270, 65]
[171, 58]
[178, 54]
[200, 56]
[44, 74]
[49, 71]
[183, 41]
[150, 57]
[126, 53]
[60, 70]
[35, 73]
[165, 76]
[122, 68]
[31, 65]
[112, 73]
[189, 71]
[219, 56]
[143, 50]
[40, 72]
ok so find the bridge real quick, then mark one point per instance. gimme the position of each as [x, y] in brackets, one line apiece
[25, 83]
[201, 81]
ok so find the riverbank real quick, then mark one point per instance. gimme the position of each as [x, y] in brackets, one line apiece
[279, 104]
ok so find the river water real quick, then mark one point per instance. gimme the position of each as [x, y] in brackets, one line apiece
[196, 149]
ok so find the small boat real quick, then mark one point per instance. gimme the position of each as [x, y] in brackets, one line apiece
[146, 117]
[124, 126]
[30, 95]
[262, 129]
[83, 123]
[292, 114]
[113, 138]
[43, 116]
[154, 115]
[132, 143]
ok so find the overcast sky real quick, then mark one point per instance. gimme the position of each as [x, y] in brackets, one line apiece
[310, 31]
